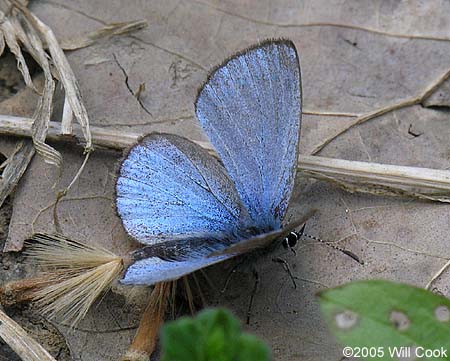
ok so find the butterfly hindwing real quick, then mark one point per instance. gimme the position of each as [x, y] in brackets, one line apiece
[172, 259]
[170, 188]
[250, 108]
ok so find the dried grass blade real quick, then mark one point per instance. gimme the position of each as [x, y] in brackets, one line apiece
[145, 340]
[9, 32]
[67, 78]
[2, 43]
[17, 164]
[108, 30]
[33, 44]
[20, 342]
[67, 118]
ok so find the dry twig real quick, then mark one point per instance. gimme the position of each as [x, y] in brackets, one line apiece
[144, 341]
[108, 30]
[322, 24]
[353, 176]
[437, 275]
[386, 109]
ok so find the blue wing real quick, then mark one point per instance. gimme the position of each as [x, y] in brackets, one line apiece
[250, 108]
[170, 188]
[172, 259]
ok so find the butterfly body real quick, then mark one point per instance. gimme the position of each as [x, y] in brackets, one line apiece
[191, 210]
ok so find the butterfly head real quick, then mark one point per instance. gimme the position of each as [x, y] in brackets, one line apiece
[291, 240]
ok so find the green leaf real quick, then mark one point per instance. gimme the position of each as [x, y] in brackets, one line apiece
[182, 341]
[221, 331]
[252, 349]
[382, 314]
[214, 335]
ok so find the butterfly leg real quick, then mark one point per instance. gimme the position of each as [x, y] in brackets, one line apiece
[287, 268]
[199, 290]
[231, 274]
[255, 288]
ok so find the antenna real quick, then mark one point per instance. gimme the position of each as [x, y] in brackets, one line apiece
[336, 247]
[292, 239]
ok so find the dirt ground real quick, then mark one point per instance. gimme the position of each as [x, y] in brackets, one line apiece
[356, 56]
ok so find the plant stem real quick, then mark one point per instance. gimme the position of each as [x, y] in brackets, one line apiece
[145, 340]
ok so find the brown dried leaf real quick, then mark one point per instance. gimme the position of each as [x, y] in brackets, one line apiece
[344, 70]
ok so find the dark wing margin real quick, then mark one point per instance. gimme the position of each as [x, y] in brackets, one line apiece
[250, 108]
[171, 188]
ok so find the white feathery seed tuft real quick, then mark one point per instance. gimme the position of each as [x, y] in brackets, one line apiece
[78, 275]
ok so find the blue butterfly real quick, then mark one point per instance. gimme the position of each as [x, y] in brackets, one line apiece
[190, 210]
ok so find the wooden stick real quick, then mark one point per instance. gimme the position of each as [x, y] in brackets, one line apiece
[432, 179]
[145, 340]
[20, 342]
[22, 126]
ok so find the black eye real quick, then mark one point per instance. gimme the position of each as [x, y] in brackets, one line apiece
[292, 239]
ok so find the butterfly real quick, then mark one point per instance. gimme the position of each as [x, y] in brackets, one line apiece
[191, 210]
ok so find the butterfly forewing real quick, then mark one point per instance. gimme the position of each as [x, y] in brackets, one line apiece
[170, 188]
[250, 108]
